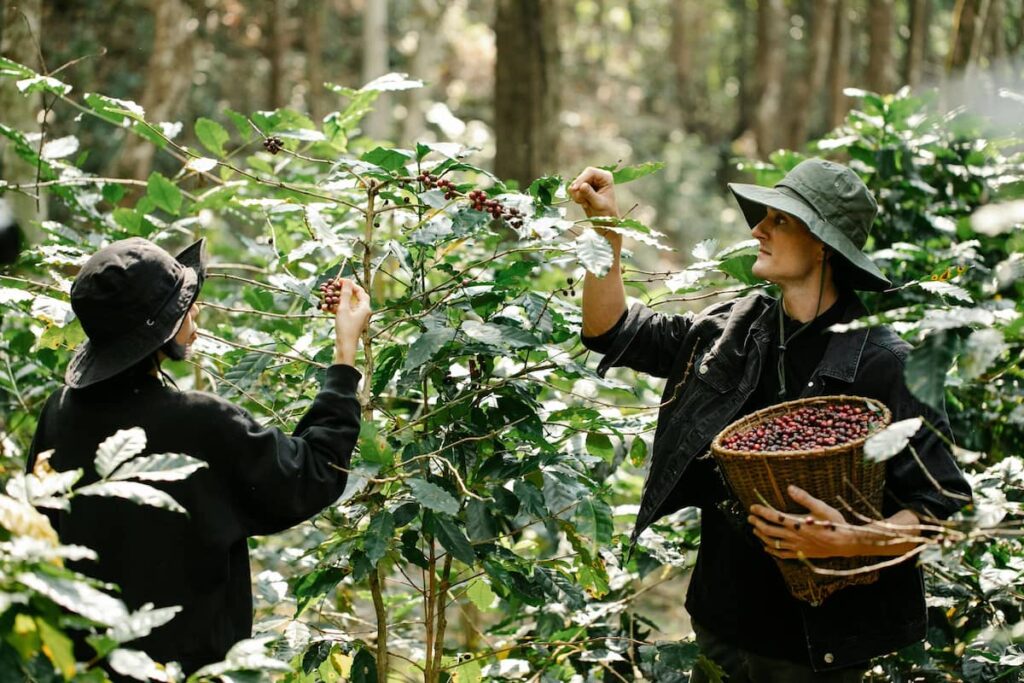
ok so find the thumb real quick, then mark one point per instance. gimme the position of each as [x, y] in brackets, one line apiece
[588, 192]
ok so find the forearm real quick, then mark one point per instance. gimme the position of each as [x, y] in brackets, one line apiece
[604, 298]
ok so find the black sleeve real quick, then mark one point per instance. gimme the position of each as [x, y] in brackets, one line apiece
[280, 480]
[642, 340]
[40, 445]
[934, 487]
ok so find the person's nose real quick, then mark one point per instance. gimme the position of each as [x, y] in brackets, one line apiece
[760, 231]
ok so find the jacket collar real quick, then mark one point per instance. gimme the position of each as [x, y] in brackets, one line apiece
[844, 350]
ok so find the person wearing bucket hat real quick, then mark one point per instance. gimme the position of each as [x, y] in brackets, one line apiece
[751, 352]
[137, 305]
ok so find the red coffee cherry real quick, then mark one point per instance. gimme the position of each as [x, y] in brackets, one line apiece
[806, 428]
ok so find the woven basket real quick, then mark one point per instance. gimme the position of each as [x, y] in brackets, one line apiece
[838, 475]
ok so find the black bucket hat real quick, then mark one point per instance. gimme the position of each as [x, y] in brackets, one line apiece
[131, 298]
[834, 204]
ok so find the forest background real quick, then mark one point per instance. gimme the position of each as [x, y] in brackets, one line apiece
[922, 97]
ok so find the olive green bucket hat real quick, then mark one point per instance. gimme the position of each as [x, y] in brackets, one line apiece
[834, 204]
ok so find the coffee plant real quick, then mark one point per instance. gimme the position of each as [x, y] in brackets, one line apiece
[483, 534]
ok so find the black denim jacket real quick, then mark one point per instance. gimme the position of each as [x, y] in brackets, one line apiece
[712, 363]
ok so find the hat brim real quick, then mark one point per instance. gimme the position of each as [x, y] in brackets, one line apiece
[92, 363]
[755, 200]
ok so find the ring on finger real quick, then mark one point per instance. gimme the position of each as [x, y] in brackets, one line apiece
[778, 544]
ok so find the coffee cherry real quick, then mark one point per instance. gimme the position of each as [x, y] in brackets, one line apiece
[330, 295]
[806, 428]
[273, 144]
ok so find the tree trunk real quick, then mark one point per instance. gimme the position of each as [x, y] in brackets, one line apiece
[376, 42]
[839, 67]
[313, 34]
[168, 79]
[21, 28]
[805, 89]
[748, 89]
[526, 101]
[428, 17]
[681, 48]
[881, 78]
[917, 44]
[771, 70]
[962, 32]
[277, 52]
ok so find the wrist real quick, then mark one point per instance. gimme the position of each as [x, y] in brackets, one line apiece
[345, 356]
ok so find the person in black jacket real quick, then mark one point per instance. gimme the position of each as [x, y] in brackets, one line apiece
[137, 305]
[755, 351]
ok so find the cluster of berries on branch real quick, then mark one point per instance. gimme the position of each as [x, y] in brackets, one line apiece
[477, 198]
[330, 295]
[273, 144]
[807, 428]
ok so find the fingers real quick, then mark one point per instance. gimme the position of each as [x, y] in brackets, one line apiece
[773, 531]
[817, 506]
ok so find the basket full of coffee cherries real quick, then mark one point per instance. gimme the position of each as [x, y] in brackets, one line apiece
[816, 444]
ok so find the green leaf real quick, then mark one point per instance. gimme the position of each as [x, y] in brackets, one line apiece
[164, 193]
[468, 672]
[159, 467]
[739, 267]
[480, 593]
[433, 497]
[315, 585]
[637, 451]
[129, 219]
[594, 252]
[212, 135]
[58, 648]
[364, 667]
[388, 159]
[600, 445]
[452, 538]
[543, 189]
[498, 335]
[393, 81]
[595, 522]
[630, 173]
[428, 344]
[374, 448]
[927, 366]
[891, 440]
[945, 289]
[77, 596]
[142, 494]
[388, 363]
[141, 623]
[982, 349]
[117, 449]
[378, 536]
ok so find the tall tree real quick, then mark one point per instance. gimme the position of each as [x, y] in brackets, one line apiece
[278, 34]
[376, 43]
[805, 89]
[771, 70]
[21, 29]
[687, 28]
[918, 43]
[839, 66]
[526, 102]
[881, 73]
[313, 36]
[427, 16]
[167, 80]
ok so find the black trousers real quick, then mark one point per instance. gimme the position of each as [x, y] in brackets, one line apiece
[746, 667]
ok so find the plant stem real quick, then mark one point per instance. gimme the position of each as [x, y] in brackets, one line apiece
[382, 626]
[441, 616]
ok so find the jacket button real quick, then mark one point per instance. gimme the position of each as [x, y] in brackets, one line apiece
[829, 658]
[703, 369]
[810, 384]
